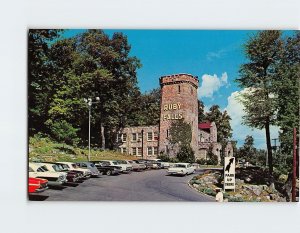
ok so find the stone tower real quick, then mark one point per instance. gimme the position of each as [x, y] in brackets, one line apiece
[178, 101]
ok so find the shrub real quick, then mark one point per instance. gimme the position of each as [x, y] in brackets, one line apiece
[186, 154]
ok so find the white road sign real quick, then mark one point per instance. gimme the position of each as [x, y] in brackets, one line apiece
[229, 173]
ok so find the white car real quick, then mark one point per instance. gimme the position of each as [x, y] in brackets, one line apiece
[181, 169]
[163, 164]
[121, 163]
[72, 166]
[38, 170]
[136, 166]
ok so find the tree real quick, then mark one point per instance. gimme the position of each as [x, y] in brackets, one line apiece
[64, 132]
[201, 113]
[186, 154]
[180, 136]
[257, 75]
[212, 159]
[40, 85]
[222, 121]
[287, 91]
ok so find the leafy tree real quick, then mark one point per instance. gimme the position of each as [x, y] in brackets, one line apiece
[212, 159]
[40, 85]
[201, 113]
[145, 108]
[286, 90]
[180, 133]
[64, 132]
[262, 51]
[186, 154]
[222, 121]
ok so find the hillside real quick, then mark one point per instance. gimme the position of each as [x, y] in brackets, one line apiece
[44, 149]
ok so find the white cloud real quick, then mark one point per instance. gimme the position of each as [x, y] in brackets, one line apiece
[240, 131]
[218, 54]
[211, 84]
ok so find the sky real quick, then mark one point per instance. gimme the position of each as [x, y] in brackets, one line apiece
[213, 55]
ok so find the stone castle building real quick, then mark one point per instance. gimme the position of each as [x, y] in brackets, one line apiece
[179, 100]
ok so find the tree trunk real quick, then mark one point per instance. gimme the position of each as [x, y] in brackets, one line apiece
[269, 149]
[102, 136]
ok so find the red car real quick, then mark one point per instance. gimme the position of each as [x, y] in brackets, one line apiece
[37, 185]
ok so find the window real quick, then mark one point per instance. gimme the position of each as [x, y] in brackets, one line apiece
[167, 133]
[155, 150]
[155, 136]
[149, 136]
[134, 137]
[124, 136]
[140, 137]
[149, 151]
[139, 152]
[191, 90]
[179, 89]
[123, 150]
[134, 151]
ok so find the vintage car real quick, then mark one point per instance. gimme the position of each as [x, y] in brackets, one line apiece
[71, 176]
[37, 170]
[124, 167]
[89, 166]
[106, 168]
[162, 163]
[66, 168]
[136, 166]
[181, 169]
[37, 185]
[73, 167]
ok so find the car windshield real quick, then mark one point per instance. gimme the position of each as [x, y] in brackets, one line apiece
[92, 165]
[105, 164]
[56, 168]
[180, 165]
[64, 166]
[115, 162]
[74, 165]
[45, 168]
[41, 169]
[122, 162]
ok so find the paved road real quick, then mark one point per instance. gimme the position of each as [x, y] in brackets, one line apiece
[151, 185]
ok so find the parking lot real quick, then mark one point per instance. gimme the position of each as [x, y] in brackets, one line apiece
[152, 185]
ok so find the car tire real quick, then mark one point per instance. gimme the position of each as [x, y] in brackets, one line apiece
[108, 173]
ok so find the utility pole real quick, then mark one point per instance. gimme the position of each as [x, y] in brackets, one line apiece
[294, 165]
[89, 103]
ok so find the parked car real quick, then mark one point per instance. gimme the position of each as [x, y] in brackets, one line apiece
[136, 166]
[90, 166]
[145, 162]
[181, 169]
[66, 168]
[37, 185]
[72, 166]
[124, 167]
[162, 163]
[107, 169]
[37, 170]
[71, 176]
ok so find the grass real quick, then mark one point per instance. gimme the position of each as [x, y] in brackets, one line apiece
[43, 149]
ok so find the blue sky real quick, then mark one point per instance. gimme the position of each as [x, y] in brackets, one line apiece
[213, 55]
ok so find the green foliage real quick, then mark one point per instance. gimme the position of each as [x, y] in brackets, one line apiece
[65, 71]
[180, 133]
[263, 51]
[64, 132]
[201, 161]
[186, 154]
[222, 121]
[164, 157]
[201, 113]
[212, 159]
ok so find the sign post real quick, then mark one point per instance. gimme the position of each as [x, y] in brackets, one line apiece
[229, 173]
